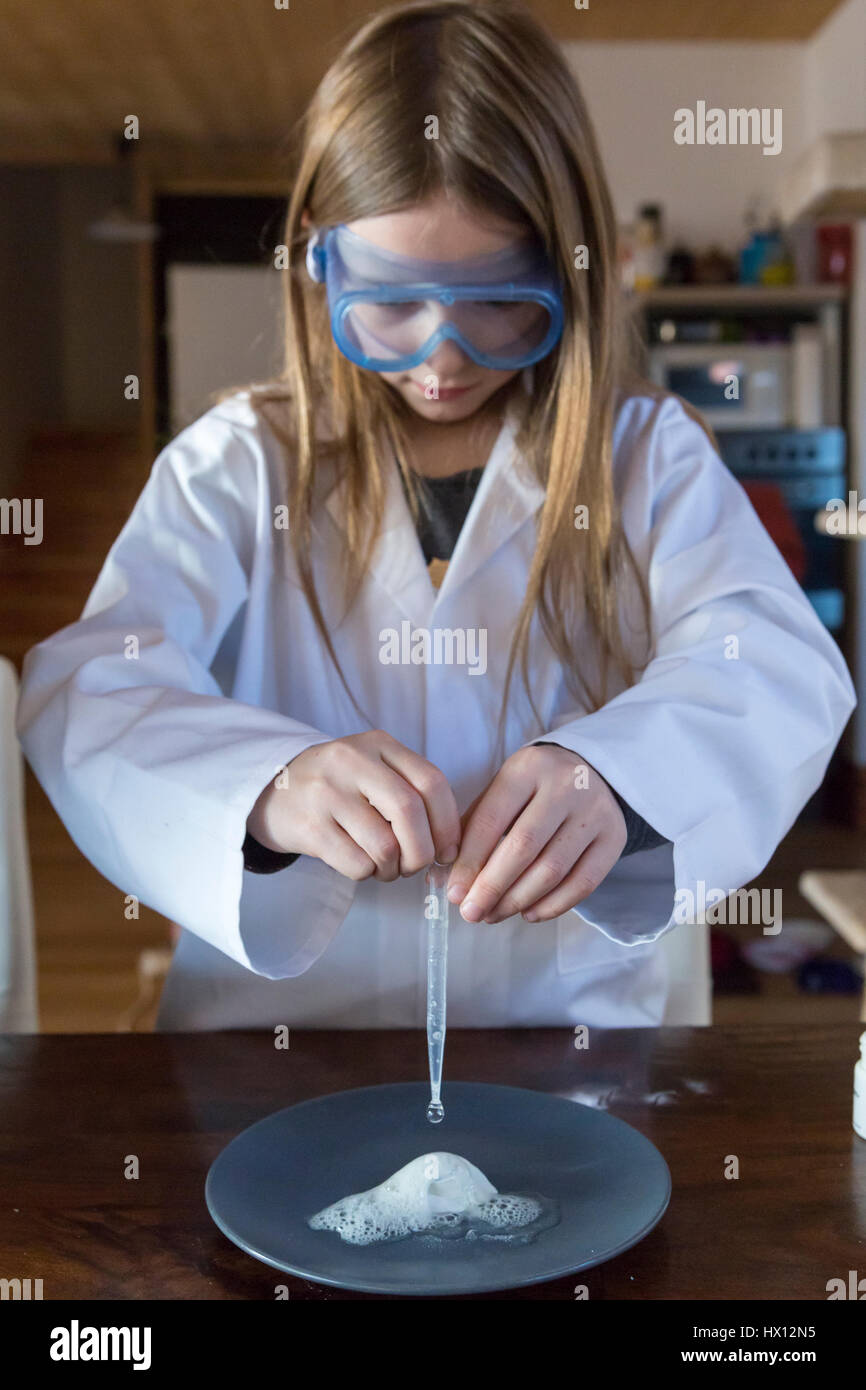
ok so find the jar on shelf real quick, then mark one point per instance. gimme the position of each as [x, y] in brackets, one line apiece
[649, 256]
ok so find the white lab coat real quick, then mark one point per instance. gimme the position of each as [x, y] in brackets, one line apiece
[154, 762]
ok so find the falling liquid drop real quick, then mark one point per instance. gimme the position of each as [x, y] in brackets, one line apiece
[435, 1112]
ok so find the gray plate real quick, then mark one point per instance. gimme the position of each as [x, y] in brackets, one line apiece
[610, 1183]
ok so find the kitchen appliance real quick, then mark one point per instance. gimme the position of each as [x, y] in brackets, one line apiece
[743, 385]
[740, 383]
[798, 471]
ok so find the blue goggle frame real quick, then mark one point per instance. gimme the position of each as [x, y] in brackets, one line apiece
[357, 272]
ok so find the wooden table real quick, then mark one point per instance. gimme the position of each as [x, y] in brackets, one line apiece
[74, 1108]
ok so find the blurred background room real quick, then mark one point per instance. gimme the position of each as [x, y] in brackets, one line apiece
[145, 160]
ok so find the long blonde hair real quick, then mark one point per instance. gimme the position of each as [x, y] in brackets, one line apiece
[515, 139]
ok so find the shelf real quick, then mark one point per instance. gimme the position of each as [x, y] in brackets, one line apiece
[828, 180]
[740, 296]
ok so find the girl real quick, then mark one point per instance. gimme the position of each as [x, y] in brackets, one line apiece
[605, 696]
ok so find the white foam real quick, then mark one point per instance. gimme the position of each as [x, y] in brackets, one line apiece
[506, 1212]
[438, 1191]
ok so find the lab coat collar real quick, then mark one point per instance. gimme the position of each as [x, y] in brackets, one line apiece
[506, 497]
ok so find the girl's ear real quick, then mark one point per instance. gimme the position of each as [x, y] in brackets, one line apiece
[306, 219]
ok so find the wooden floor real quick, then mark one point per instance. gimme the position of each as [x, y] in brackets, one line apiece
[87, 950]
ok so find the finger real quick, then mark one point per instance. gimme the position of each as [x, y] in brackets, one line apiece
[435, 791]
[521, 847]
[453, 860]
[496, 812]
[405, 810]
[371, 832]
[469, 812]
[552, 865]
[592, 866]
[402, 807]
[338, 849]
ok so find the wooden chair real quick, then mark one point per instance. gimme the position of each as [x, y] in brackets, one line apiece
[840, 896]
[690, 981]
[153, 966]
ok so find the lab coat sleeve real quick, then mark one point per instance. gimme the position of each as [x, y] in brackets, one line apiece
[152, 769]
[731, 726]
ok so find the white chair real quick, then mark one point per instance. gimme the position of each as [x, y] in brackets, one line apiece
[18, 1003]
[690, 991]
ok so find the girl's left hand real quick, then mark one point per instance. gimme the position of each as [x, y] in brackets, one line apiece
[563, 832]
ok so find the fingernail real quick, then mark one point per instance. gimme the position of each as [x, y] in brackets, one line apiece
[455, 892]
[450, 855]
[529, 916]
[470, 911]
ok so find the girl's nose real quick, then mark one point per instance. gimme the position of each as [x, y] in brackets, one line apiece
[447, 359]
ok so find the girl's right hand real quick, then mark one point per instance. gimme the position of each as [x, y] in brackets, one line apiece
[366, 805]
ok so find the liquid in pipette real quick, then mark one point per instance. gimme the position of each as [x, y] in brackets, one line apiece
[436, 912]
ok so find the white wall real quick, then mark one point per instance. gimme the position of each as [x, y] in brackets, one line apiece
[633, 90]
[835, 91]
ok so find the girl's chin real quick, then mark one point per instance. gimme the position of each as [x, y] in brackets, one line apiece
[447, 412]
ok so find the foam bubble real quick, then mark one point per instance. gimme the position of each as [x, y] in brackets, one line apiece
[506, 1211]
[436, 1194]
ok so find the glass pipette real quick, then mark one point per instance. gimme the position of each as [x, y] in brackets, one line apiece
[436, 907]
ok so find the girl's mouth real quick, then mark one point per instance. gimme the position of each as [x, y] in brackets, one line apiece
[447, 393]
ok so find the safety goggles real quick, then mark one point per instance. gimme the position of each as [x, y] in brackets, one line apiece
[389, 312]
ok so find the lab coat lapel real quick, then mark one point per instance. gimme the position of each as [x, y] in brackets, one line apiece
[397, 564]
[506, 497]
